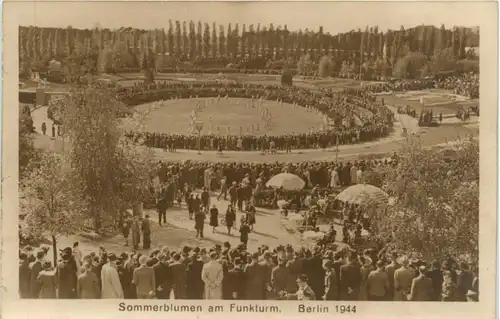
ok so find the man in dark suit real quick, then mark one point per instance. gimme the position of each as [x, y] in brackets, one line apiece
[436, 276]
[236, 278]
[464, 281]
[350, 279]
[194, 285]
[255, 284]
[162, 206]
[24, 276]
[280, 276]
[161, 269]
[331, 282]
[421, 287]
[146, 232]
[34, 269]
[178, 271]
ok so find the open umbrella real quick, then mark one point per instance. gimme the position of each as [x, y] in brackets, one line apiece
[364, 194]
[289, 182]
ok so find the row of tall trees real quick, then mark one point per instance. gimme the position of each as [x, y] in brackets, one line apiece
[190, 40]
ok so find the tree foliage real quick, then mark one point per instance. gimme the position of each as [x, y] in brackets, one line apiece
[410, 66]
[107, 174]
[48, 207]
[436, 209]
[326, 66]
[305, 64]
[443, 61]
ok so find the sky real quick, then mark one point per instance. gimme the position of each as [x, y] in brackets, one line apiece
[333, 16]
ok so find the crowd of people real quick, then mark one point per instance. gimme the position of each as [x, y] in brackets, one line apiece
[237, 273]
[223, 175]
[466, 84]
[355, 113]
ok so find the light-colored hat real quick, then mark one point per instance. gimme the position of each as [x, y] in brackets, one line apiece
[403, 260]
[368, 261]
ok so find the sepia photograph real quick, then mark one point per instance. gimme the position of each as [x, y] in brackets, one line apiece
[250, 151]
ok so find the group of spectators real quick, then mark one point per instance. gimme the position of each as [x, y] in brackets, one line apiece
[466, 84]
[324, 272]
[221, 175]
[356, 116]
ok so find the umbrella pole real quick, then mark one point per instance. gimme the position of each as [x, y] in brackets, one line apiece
[337, 151]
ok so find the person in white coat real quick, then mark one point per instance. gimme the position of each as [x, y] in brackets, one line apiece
[77, 253]
[354, 174]
[359, 176]
[212, 275]
[334, 178]
[111, 286]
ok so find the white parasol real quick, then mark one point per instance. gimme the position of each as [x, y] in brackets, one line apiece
[289, 182]
[364, 194]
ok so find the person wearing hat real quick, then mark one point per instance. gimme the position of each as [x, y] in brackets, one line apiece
[24, 276]
[194, 284]
[403, 278]
[48, 281]
[136, 232]
[350, 278]
[223, 188]
[34, 269]
[250, 213]
[67, 275]
[236, 279]
[126, 226]
[110, 280]
[304, 292]
[199, 223]
[436, 275]
[464, 280]
[144, 279]
[366, 267]
[280, 276]
[390, 269]
[256, 287]
[162, 205]
[226, 249]
[179, 276]
[146, 232]
[377, 284]
[421, 287]
[87, 286]
[212, 275]
[205, 199]
[331, 281]
[233, 194]
[267, 264]
[244, 231]
[214, 218]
